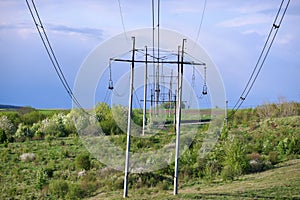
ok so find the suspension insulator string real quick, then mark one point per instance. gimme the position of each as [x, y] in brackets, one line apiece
[110, 82]
[204, 90]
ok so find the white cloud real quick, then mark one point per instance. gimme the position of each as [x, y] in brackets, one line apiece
[284, 39]
[233, 32]
[182, 7]
[246, 20]
[257, 7]
[252, 31]
[81, 31]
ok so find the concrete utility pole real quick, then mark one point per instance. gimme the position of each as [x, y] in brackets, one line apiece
[226, 113]
[145, 93]
[154, 100]
[129, 121]
[170, 93]
[180, 77]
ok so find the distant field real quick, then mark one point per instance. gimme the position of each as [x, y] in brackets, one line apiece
[52, 111]
[23, 110]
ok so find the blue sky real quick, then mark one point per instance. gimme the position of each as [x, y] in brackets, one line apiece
[233, 33]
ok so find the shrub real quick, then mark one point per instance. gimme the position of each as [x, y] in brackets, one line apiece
[294, 146]
[49, 139]
[3, 137]
[235, 158]
[48, 171]
[256, 163]
[283, 146]
[82, 161]
[164, 185]
[22, 132]
[32, 117]
[58, 188]
[208, 175]
[41, 179]
[273, 157]
[256, 166]
[106, 119]
[89, 187]
[212, 168]
[75, 192]
[227, 173]
[7, 126]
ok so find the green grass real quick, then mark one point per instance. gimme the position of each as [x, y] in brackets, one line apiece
[282, 182]
[20, 180]
[52, 111]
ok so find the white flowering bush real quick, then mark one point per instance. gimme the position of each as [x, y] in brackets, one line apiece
[7, 126]
[35, 129]
[35, 125]
[69, 123]
[22, 132]
[59, 125]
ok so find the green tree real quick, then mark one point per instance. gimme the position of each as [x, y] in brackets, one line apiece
[137, 116]
[14, 117]
[32, 117]
[106, 119]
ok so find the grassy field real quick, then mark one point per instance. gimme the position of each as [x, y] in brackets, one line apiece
[19, 179]
[256, 157]
[282, 182]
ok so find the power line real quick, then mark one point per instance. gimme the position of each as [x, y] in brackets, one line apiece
[158, 24]
[201, 21]
[122, 19]
[45, 40]
[263, 55]
[137, 98]
[153, 43]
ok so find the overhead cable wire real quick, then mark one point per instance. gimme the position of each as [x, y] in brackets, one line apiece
[137, 98]
[261, 60]
[122, 20]
[45, 40]
[153, 45]
[260, 57]
[158, 24]
[106, 96]
[201, 22]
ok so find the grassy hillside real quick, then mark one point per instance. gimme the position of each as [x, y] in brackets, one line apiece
[257, 156]
[282, 182]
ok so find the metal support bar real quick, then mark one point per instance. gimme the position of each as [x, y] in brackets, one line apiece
[129, 121]
[158, 61]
